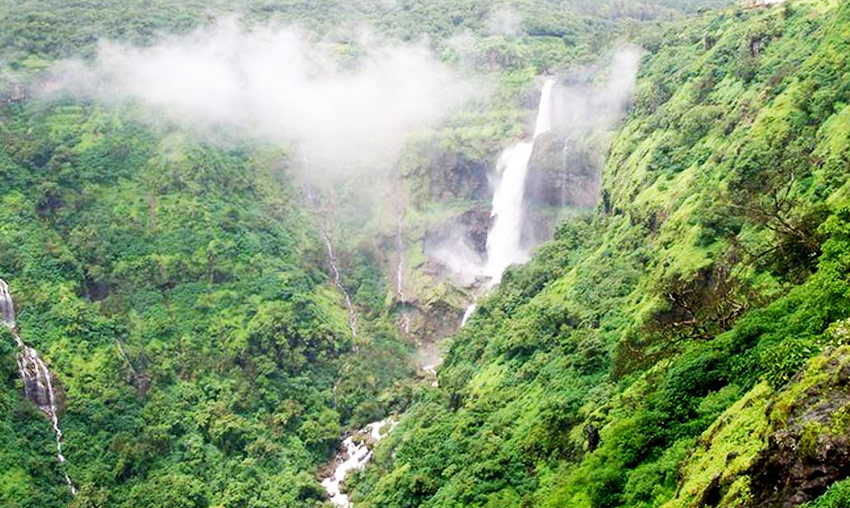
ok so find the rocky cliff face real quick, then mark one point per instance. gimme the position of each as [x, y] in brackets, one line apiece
[454, 175]
[809, 446]
[775, 448]
[562, 174]
[472, 225]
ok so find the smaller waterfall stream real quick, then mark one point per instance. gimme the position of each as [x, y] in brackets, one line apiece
[399, 241]
[468, 314]
[38, 382]
[352, 312]
[399, 290]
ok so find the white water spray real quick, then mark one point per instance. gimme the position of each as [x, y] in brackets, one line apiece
[504, 246]
[38, 383]
[399, 290]
[355, 457]
[352, 312]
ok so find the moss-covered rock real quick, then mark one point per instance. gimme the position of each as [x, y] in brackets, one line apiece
[775, 449]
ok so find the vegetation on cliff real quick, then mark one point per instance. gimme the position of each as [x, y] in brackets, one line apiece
[635, 361]
[683, 344]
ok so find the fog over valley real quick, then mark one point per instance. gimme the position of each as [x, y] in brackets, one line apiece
[424, 254]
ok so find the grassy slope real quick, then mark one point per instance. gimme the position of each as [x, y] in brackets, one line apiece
[719, 259]
[199, 262]
[197, 259]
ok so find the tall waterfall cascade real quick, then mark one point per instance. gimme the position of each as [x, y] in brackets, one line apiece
[38, 381]
[504, 245]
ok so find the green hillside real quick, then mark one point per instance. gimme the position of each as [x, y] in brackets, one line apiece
[648, 356]
[685, 343]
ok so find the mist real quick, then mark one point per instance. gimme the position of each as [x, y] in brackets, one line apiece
[505, 21]
[586, 105]
[347, 107]
[592, 99]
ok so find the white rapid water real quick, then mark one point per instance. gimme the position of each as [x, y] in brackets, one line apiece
[468, 314]
[431, 370]
[504, 246]
[399, 290]
[352, 313]
[355, 457]
[38, 382]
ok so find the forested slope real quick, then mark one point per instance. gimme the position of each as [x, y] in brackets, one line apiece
[178, 289]
[686, 344]
[178, 294]
[683, 345]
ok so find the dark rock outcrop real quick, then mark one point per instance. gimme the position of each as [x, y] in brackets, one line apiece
[562, 174]
[14, 92]
[809, 448]
[775, 449]
[472, 226]
[453, 175]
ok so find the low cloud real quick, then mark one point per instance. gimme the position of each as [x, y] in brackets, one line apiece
[505, 21]
[582, 105]
[347, 107]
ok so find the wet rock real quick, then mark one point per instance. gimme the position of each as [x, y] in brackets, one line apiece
[476, 223]
[844, 374]
[774, 449]
[562, 174]
[471, 226]
[809, 448]
[712, 494]
[592, 437]
[355, 453]
[453, 175]
[14, 92]
[441, 320]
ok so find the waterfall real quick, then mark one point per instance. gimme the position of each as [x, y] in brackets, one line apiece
[352, 313]
[504, 246]
[399, 289]
[7, 308]
[354, 457]
[314, 200]
[470, 310]
[37, 379]
[399, 242]
[431, 370]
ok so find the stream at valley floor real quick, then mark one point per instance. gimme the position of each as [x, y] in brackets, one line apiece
[356, 453]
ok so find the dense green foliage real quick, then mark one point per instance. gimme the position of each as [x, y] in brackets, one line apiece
[719, 257]
[179, 289]
[237, 373]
